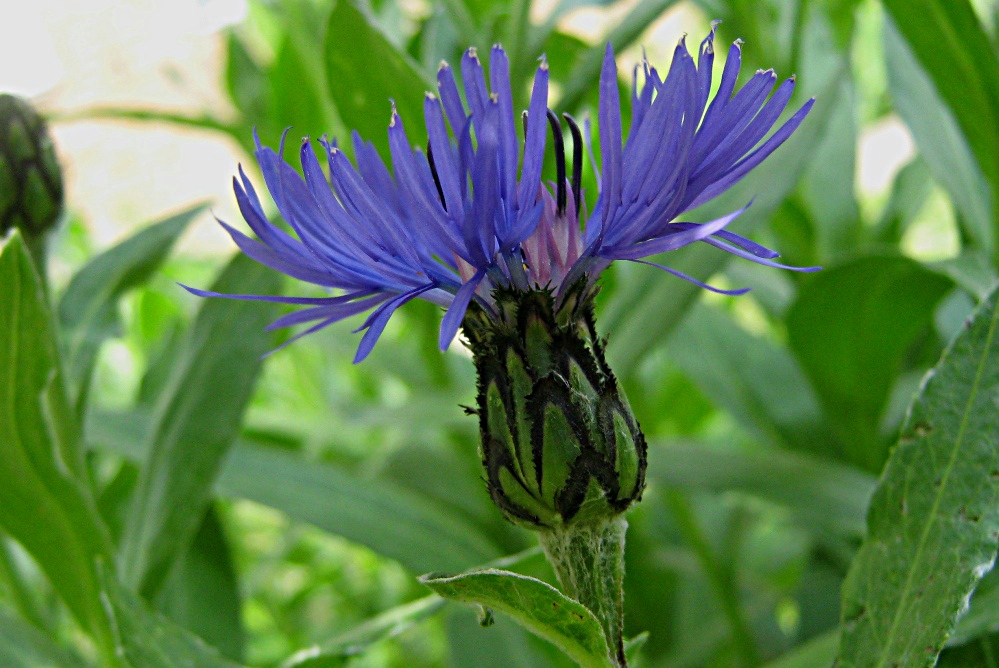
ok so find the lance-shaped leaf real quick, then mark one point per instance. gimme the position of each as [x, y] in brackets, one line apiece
[361, 92]
[354, 642]
[24, 646]
[956, 52]
[44, 503]
[196, 421]
[203, 593]
[535, 605]
[147, 639]
[934, 518]
[391, 520]
[850, 329]
[938, 136]
[88, 309]
[824, 494]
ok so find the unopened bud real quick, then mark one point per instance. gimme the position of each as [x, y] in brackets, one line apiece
[31, 190]
[559, 441]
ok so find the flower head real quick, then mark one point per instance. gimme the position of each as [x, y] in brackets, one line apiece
[31, 188]
[471, 215]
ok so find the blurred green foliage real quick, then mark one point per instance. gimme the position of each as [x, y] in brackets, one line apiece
[259, 509]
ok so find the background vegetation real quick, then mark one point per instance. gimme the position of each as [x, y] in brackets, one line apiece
[270, 506]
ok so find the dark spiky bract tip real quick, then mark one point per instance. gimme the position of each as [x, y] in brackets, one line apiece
[560, 445]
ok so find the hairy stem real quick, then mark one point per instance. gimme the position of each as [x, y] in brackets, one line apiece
[588, 559]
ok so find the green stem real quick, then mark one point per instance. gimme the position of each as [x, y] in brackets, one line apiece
[720, 578]
[589, 562]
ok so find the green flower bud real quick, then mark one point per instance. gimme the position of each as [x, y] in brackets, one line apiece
[31, 191]
[559, 442]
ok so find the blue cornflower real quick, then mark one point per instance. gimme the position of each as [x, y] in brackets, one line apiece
[454, 224]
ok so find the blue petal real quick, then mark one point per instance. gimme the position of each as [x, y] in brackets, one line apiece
[534, 142]
[680, 274]
[325, 301]
[670, 242]
[475, 83]
[610, 138]
[329, 312]
[758, 260]
[375, 324]
[451, 99]
[456, 312]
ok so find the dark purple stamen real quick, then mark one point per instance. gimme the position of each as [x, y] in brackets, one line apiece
[560, 194]
[437, 178]
[577, 160]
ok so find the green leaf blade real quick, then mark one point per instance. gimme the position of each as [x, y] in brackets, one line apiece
[147, 639]
[87, 310]
[44, 504]
[354, 642]
[203, 593]
[364, 72]
[24, 646]
[758, 382]
[822, 493]
[948, 39]
[934, 518]
[535, 605]
[850, 329]
[939, 138]
[197, 420]
[391, 521]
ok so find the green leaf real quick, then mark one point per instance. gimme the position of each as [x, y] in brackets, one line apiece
[633, 646]
[851, 328]
[354, 642]
[364, 71]
[196, 421]
[977, 653]
[934, 518]
[982, 616]
[147, 639]
[939, 138]
[759, 383]
[245, 80]
[202, 595]
[822, 493]
[388, 519]
[25, 594]
[88, 309]
[24, 646]
[909, 193]
[535, 605]
[950, 43]
[827, 185]
[299, 96]
[502, 645]
[818, 652]
[647, 305]
[44, 503]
